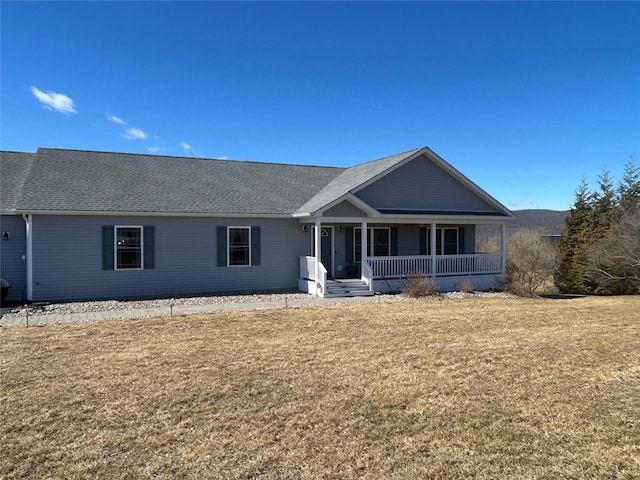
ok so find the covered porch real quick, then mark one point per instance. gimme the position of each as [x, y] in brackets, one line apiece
[391, 251]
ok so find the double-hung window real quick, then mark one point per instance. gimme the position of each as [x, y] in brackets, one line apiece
[378, 242]
[128, 247]
[447, 241]
[239, 246]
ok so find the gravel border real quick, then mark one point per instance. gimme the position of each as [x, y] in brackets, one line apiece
[215, 302]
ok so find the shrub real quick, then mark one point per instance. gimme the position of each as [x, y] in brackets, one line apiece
[466, 286]
[417, 284]
[531, 261]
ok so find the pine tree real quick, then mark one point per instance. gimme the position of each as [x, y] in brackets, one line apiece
[629, 188]
[572, 274]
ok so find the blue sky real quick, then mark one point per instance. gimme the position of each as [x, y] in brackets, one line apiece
[525, 98]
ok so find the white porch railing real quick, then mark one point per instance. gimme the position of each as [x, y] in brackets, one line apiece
[367, 275]
[308, 272]
[471, 264]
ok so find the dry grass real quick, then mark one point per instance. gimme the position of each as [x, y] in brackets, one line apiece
[490, 388]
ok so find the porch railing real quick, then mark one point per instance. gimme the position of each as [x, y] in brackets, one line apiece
[470, 264]
[308, 272]
[367, 275]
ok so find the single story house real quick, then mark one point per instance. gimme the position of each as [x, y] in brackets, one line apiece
[96, 225]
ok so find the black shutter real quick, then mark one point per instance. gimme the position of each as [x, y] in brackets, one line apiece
[149, 246]
[348, 244]
[394, 241]
[222, 246]
[461, 241]
[255, 245]
[107, 247]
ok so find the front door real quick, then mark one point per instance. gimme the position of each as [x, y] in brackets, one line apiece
[326, 249]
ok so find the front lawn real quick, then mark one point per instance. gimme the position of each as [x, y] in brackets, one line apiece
[492, 388]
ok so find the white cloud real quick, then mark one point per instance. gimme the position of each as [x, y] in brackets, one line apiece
[55, 101]
[156, 149]
[114, 119]
[185, 146]
[223, 157]
[134, 134]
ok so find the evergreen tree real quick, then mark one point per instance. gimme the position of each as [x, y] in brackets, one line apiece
[572, 273]
[629, 188]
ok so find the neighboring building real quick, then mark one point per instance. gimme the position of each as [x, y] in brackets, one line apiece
[89, 225]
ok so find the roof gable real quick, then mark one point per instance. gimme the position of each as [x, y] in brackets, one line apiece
[424, 185]
[351, 179]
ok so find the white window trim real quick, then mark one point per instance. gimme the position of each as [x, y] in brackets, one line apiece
[229, 227]
[370, 245]
[115, 247]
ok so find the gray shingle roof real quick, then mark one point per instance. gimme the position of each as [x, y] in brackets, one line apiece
[72, 180]
[14, 167]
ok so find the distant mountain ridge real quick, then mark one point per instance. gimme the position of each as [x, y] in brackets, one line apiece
[545, 222]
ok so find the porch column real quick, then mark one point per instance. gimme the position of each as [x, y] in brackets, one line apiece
[433, 250]
[363, 243]
[318, 245]
[503, 248]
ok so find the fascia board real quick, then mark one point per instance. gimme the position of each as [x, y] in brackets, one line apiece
[150, 214]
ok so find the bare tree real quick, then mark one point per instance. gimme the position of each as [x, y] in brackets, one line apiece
[615, 259]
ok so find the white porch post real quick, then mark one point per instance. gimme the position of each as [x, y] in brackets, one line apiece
[363, 243]
[503, 248]
[433, 250]
[318, 245]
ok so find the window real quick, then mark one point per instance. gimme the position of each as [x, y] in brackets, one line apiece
[239, 246]
[379, 247]
[447, 241]
[127, 247]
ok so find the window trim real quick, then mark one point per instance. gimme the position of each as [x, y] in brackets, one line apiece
[115, 248]
[370, 245]
[238, 227]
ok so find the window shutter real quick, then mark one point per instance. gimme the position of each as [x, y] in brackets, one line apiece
[107, 247]
[149, 246]
[348, 242]
[461, 241]
[255, 245]
[222, 246]
[423, 241]
[394, 241]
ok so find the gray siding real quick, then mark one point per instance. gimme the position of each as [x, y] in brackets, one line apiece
[13, 268]
[344, 209]
[67, 261]
[422, 185]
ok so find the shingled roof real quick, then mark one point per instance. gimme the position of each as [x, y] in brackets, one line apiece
[14, 167]
[86, 181]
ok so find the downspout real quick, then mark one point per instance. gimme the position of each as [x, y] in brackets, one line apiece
[28, 220]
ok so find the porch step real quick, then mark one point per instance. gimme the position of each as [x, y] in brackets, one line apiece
[351, 288]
